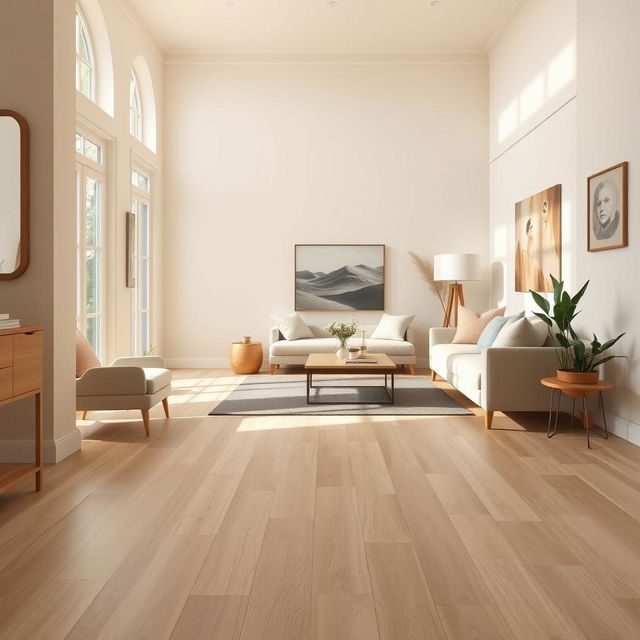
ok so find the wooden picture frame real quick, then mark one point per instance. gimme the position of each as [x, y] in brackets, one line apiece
[339, 277]
[131, 250]
[607, 208]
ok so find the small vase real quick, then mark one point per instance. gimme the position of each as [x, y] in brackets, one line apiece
[342, 353]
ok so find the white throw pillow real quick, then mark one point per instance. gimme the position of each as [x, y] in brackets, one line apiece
[292, 327]
[522, 333]
[391, 327]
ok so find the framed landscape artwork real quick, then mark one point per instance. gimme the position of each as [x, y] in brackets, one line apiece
[332, 277]
[607, 209]
[538, 241]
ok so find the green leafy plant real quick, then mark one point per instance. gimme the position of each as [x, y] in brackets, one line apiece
[573, 354]
[342, 331]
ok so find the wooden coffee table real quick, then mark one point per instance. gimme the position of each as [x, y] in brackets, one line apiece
[329, 363]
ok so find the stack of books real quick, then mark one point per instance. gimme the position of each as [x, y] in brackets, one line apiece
[7, 323]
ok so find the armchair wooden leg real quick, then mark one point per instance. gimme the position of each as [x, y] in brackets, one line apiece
[272, 369]
[412, 369]
[84, 415]
[433, 375]
[488, 419]
[165, 405]
[145, 419]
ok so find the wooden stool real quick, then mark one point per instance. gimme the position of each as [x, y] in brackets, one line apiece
[577, 391]
[245, 357]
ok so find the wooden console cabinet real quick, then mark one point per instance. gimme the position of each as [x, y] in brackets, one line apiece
[21, 377]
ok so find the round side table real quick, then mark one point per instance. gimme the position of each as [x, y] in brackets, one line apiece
[245, 357]
[577, 391]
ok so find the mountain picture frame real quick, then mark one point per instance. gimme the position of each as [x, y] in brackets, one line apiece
[339, 277]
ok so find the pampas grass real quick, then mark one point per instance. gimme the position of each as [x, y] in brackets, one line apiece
[425, 269]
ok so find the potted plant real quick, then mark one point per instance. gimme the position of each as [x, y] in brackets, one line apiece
[343, 332]
[578, 363]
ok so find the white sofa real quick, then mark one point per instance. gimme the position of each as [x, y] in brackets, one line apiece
[295, 352]
[496, 379]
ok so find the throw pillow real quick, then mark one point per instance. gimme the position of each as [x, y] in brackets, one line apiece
[490, 332]
[391, 327]
[86, 357]
[522, 333]
[471, 325]
[292, 327]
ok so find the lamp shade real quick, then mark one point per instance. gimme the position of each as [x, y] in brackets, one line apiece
[456, 266]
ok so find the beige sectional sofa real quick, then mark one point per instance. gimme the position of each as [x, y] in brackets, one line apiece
[496, 379]
[295, 352]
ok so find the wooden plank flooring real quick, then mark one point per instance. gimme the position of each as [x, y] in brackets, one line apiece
[371, 528]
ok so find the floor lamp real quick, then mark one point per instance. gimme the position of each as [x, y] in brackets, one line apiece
[454, 268]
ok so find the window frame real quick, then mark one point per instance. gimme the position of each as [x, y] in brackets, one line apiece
[136, 111]
[82, 31]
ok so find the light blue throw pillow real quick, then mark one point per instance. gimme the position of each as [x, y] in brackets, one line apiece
[491, 331]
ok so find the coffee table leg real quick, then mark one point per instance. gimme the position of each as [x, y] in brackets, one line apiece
[308, 385]
[393, 388]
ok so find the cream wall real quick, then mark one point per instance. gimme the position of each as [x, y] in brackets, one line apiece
[608, 57]
[576, 132]
[259, 157]
[39, 34]
[128, 40]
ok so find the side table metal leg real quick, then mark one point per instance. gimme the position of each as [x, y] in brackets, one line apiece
[573, 410]
[586, 419]
[549, 434]
[604, 416]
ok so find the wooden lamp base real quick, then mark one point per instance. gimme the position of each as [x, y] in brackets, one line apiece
[455, 298]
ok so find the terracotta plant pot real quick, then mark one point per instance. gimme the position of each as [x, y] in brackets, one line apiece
[577, 377]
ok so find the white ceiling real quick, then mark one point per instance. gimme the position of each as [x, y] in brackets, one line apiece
[318, 25]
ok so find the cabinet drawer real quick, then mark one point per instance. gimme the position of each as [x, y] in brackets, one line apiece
[27, 359]
[6, 351]
[6, 383]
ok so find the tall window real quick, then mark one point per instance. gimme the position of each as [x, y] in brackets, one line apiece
[141, 299]
[90, 246]
[135, 108]
[85, 69]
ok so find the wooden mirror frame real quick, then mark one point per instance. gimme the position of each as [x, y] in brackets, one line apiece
[24, 194]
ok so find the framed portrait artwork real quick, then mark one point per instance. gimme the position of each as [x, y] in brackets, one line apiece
[332, 277]
[607, 209]
[538, 242]
[131, 249]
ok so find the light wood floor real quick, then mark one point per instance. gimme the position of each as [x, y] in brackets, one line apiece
[343, 527]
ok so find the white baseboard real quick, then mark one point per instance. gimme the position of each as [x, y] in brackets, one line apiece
[623, 428]
[21, 451]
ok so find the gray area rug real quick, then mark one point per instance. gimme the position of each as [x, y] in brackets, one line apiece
[286, 395]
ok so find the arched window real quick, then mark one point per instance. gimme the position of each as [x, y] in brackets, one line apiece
[85, 69]
[135, 108]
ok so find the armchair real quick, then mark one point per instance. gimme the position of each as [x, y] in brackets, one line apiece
[128, 383]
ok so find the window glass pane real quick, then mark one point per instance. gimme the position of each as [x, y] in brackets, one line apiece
[144, 332]
[92, 281]
[92, 211]
[85, 79]
[92, 151]
[79, 143]
[144, 229]
[144, 284]
[140, 181]
[92, 331]
[83, 47]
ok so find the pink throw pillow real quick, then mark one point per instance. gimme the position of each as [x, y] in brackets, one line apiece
[86, 357]
[470, 324]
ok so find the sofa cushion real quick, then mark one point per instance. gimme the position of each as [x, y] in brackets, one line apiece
[330, 345]
[465, 369]
[522, 333]
[441, 355]
[491, 331]
[470, 324]
[392, 327]
[86, 357]
[156, 379]
[293, 327]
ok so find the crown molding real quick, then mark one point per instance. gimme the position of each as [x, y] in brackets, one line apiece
[326, 57]
[144, 27]
[519, 9]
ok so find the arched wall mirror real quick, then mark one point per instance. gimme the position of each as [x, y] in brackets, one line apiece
[14, 194]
